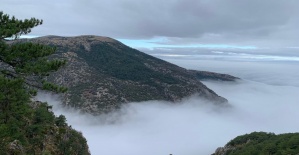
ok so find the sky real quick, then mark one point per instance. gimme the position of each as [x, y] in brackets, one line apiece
[177, 23]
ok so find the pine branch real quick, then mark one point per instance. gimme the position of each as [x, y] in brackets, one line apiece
[30, 82]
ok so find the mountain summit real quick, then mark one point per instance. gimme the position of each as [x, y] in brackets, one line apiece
[102, 73]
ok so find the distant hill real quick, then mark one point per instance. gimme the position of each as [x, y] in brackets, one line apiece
[102, 73]
[262, 143]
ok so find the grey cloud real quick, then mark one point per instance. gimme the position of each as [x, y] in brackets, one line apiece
[254, 22]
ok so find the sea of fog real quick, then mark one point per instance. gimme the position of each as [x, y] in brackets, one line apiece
[266, 99]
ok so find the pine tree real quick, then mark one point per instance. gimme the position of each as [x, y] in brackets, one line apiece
[28, 127]
[26, 61]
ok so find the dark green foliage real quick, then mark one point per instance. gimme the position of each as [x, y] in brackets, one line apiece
[53, 87]
[255, 136]
[124, 63]
[73, 143]
[13, 96]
[204, 75]
[36, 129]
[60, 121]
[29, 58]
[261, 143]
[29, 127]
[42, 116]
[25, 60]
[12, 27]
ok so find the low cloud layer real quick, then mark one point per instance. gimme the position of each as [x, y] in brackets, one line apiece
[262, 101]
[283, 73]
[257, 23]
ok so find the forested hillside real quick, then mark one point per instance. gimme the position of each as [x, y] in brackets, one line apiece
[262, 143]
[29, 127]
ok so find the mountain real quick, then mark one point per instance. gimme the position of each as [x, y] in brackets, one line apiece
[262, 143]
[102, 73]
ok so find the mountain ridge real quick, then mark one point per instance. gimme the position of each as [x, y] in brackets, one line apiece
[103, 73]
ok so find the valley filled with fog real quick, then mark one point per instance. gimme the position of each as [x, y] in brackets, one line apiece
[266, 99]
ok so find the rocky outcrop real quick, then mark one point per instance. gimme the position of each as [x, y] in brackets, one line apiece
[102, 73]
[15, 147]
[223, 150]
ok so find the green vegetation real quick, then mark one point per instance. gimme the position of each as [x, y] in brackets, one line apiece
[124, 63]
[26, 126]
[260, 143]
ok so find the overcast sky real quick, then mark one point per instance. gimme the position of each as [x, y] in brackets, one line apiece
[257, 23]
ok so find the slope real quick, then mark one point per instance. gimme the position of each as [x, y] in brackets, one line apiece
[103, 73]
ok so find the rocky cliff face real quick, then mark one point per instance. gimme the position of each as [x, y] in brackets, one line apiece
[223, 150]
[102, 74]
